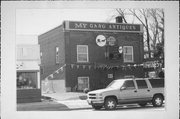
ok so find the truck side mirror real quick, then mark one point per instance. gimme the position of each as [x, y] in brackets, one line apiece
[122, 88]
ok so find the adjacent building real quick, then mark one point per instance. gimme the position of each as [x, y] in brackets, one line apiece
[91, 54]
[28, 73]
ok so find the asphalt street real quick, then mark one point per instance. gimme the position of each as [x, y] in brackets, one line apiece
[129, 108]
[75, 105]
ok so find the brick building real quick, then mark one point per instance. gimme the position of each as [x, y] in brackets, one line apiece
[90, 54]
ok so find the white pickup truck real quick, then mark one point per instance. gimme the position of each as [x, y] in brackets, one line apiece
[126, 91]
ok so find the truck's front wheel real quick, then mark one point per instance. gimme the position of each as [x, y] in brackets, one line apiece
[110, 103]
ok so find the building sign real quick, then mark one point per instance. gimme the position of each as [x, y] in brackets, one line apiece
[101, 40]
[111, 41]
[94, 26]
[110, 76]
[152, 64]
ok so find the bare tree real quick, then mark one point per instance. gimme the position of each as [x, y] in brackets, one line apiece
[143, 16]
[157, 29]
[153, 23]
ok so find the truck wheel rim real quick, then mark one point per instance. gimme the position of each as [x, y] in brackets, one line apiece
[158, 101]
[110, 104]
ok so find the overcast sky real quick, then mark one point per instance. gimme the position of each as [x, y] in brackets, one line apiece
[38, 21]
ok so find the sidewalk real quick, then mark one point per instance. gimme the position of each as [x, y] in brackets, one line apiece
[66, 96]
[73, 100]
[76, 104]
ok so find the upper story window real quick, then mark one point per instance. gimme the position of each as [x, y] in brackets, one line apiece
[57, 55]
[82, 53]
[128, 54]
[24, 51]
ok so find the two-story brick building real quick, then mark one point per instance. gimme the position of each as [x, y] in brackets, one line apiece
[94, 53]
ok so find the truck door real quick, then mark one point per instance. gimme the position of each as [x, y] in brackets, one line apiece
[128, 92]
[143, 91]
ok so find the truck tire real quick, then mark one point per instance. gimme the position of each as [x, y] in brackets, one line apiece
[110, 103]
[157, 101]
[96, 107]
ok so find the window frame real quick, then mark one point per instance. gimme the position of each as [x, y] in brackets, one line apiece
[24, 51]
[80, 77]
[57, 57]
[87, 53]
[129, 88]
[140, 87]
[132, 53]
[154, 84]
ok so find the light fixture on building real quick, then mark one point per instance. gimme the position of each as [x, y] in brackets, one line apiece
[120, 49]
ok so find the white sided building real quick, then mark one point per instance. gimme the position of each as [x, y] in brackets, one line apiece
[28, 72]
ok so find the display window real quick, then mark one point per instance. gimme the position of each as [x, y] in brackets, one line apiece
[27, 80]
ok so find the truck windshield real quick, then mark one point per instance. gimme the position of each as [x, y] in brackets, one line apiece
[115, 84]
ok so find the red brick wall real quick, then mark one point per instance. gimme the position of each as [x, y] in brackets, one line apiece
[48, 42]
[68, 41]
[96, 53]
[98, 77]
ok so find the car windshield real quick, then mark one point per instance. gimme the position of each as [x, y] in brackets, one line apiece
[116, 84]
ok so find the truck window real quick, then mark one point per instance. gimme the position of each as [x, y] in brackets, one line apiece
[157, 83]
[129, 84]
[141, 84]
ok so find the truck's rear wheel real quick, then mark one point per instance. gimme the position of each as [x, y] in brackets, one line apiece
[110, 103]
[96, 107]
[157, 101]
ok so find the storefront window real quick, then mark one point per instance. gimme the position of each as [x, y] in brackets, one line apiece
[27, 80]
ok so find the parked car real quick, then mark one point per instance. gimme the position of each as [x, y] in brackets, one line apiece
[126, 91]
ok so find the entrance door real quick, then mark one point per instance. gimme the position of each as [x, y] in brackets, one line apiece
[83, 82]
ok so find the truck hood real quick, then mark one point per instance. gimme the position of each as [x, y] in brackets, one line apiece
[102, 90]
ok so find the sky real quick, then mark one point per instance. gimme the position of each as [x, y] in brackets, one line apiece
[37, 21]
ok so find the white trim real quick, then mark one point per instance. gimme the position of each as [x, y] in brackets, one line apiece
[132, 54]
[81, 78]
[86, 46]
